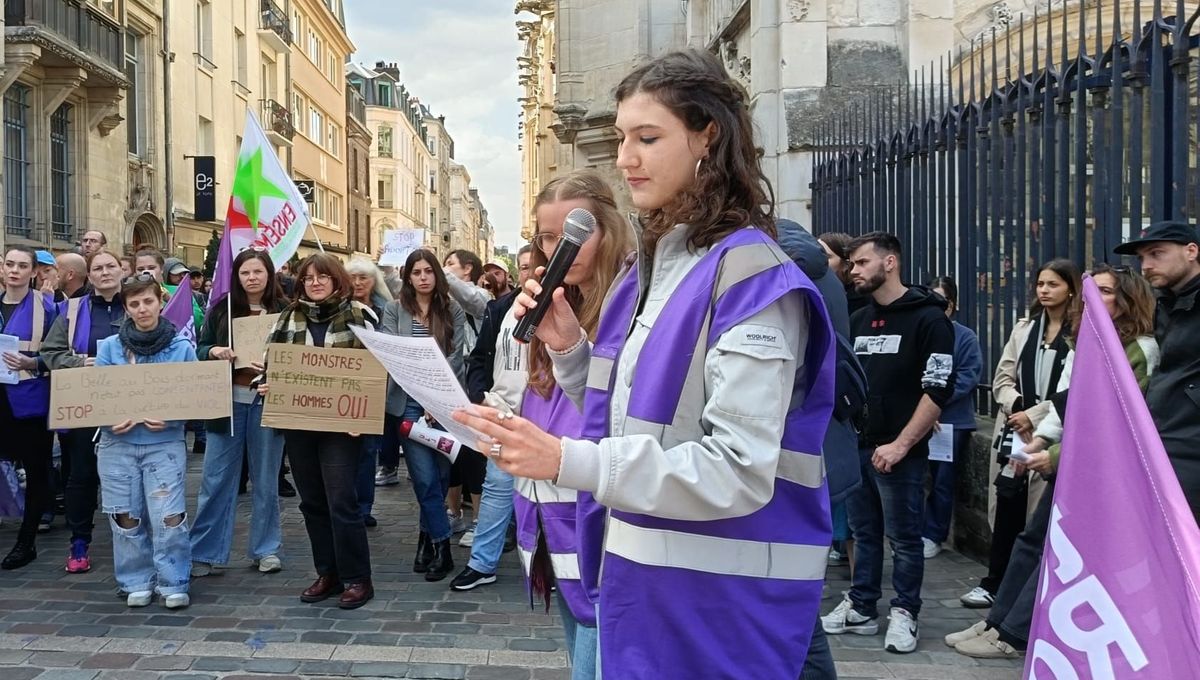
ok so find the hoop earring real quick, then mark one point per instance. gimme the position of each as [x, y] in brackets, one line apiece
[696, 174]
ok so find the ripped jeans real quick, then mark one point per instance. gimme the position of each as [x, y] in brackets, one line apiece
[142, 492]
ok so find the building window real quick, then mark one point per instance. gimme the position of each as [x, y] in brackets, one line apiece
[16, 160]
[61, 160]
[384, 145]
[319, 206]
[298, 111]
[384, 90]
[135, 105]
[332, 73]
[386, 192]
[353, 169]
[334, 213]
[204, 41]
[314, 48]
[239, 56]
[333, 139]
[206, 141]
[316, 125]
[107, 7]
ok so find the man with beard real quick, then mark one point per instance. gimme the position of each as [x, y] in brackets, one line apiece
[905, 342]
[1169, 253]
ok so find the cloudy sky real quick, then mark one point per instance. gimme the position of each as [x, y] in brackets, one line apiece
[458, 57]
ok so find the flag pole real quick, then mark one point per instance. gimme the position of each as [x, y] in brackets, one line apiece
[229, 328]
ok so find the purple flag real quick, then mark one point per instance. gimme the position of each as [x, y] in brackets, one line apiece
[179, 310]
[222, 272]
[1119, 586]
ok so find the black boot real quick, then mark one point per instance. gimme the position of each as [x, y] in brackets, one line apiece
[424, 553]
[22, 553]
[443, 562]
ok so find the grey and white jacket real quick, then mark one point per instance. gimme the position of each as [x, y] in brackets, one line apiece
[719, 458]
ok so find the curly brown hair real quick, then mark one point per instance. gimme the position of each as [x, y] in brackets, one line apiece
[730, 191]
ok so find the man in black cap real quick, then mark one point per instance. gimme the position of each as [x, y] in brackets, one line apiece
[1169, 253]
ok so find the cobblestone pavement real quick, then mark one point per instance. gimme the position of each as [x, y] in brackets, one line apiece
[242, 624]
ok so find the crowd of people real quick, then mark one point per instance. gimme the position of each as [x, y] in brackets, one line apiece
[717, 405]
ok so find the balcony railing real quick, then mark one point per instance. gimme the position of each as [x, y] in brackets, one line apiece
[273, 18]
[277, 119]
[78, 26]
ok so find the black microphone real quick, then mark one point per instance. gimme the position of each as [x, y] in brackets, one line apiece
[577, 228]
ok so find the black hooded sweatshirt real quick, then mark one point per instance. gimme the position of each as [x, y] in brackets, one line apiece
[907, 350]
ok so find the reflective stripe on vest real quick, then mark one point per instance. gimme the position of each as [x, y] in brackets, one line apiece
[539, 492]
[565, 565]
[35, 334]
[714, 555]
[72, 317]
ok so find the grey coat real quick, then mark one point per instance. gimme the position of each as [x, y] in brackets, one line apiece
[397, 321]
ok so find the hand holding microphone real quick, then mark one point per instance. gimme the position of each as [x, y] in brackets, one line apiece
[541, 308]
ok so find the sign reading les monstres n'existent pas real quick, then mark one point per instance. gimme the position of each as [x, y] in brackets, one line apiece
[324, 389]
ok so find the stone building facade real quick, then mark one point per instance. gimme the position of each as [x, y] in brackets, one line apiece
[799, 60]
[358, 174]
[441, 148]
[318, 93]
[399, 156]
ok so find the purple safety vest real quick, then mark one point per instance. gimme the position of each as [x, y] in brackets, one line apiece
[30, 397]
[544, 507]
[747, 604]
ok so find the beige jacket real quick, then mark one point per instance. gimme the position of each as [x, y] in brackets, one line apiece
[1005, 391]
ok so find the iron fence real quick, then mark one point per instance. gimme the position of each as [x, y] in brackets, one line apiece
[1004, 157]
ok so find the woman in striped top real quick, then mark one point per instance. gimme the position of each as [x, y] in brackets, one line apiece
[425, 310]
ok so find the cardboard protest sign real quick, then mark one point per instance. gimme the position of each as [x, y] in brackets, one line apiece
[250, 335]
[398, 244]
[99, 396]
[324, 389]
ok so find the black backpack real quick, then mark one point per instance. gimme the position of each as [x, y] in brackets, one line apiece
[850, 385]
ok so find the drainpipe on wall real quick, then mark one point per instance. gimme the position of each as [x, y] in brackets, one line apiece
[168, 142]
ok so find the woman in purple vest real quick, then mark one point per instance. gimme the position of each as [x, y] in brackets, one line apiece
[546, 536]
[72, 342]
[28, 315]
[708, 391]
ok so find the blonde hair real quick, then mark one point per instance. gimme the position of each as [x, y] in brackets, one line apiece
[615, 242]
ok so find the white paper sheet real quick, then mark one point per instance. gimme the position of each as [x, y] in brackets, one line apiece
[9, 343]
[1018, 449]
[941, 444]
[422, 371]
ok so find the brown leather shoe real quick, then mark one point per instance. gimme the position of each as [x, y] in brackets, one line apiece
[357, 594]
[321, 589]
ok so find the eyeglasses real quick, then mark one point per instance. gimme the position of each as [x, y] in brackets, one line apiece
[140, 277]
[546, 241]
[319, 278]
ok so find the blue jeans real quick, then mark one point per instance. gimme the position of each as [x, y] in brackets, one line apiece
[495, 512]
[940, 504]
[212, 532]
[582, 641]
[365, 483]
[429, 472]
[891, 505]
[143, 485]
[818, 665]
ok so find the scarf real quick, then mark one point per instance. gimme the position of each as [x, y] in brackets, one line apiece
[340, 313]
[146, 343]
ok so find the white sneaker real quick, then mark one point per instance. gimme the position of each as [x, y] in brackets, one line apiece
[457, 523]
[270, 564]
[964, 635]
[931, 549]
[177, 601]
[387, 476]
[843, 619]
[139, 598]
[901, 633]
[468, 538]
[978, 598]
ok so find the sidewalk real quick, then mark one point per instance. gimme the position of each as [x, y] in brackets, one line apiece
[56, 626]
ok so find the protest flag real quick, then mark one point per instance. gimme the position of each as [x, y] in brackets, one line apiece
[266, 210]
[1118, 593]
[179, 310]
